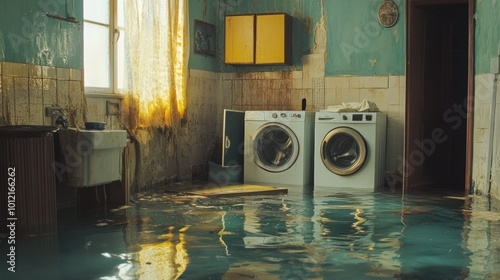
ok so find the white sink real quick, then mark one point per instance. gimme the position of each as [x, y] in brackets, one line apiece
[104, 139]
[95, 157]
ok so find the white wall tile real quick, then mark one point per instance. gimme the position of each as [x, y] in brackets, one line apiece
[35, 71]
[374, 82]
[49, 89]
[482, 115]
[49, 72]
[63, 73]
[15, 69]
[62, 93]
[307, 83]
[393, 94]
[36, 91]
[330, 97]
[75, 74]
[480, 152]
[481, 135]
[36, 114]
[355, 82]
[21, 97]
[297, 83]
[483, 88]
[394, 81]
[296, 74]
[8, 99]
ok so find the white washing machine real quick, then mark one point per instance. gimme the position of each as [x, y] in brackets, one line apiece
[349, 150]
[279, 147]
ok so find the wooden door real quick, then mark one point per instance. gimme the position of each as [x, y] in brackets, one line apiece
[435, 148]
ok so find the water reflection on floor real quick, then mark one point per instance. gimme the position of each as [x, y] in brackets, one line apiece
[294, 236]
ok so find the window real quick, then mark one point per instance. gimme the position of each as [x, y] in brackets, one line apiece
[155, 69]
[104, 48]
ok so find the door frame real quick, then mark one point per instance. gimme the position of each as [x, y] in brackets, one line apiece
[410, 4]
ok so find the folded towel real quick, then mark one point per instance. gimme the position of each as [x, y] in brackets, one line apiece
[363, 106]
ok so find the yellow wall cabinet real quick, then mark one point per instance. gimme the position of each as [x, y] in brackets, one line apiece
[261, 39]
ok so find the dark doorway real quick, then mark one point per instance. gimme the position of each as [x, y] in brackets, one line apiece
[437, 94]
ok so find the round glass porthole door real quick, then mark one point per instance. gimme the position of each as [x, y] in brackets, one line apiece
[275, 147]
[343, 151]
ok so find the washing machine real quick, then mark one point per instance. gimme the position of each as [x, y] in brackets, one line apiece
[279, 147]
[349, 150]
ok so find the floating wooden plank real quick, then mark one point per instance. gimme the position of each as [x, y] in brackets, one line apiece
[234, 190]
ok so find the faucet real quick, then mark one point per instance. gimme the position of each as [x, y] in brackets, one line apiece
[58, 115]
[61, 121]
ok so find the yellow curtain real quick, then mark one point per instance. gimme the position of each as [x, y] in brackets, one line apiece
[157, 48]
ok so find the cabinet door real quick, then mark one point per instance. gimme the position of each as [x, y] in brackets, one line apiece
[273, 39]
[233, 131]
[239, 39]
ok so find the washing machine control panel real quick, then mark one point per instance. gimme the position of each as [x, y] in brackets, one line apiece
[349, 117]
[282, 116]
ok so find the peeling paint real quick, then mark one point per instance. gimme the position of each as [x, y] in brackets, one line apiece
[31, 37]
[320, 33]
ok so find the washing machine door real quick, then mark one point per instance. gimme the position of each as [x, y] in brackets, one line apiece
[343, 151]
[275, 147]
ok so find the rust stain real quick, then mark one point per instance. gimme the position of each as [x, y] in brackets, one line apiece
[307, 22]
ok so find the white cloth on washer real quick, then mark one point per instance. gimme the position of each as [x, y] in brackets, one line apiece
[363, 106]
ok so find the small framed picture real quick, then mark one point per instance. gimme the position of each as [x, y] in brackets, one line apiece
[204, 38]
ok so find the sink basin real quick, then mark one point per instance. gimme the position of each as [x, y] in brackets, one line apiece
[94, 157]
[104, 139]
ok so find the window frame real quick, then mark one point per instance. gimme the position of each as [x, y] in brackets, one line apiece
[113, 36]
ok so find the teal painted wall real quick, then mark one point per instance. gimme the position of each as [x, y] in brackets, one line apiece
[206, 11]
[358, 45]
[27, 35]
[487, 41]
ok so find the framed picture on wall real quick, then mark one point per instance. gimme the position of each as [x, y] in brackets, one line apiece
[204, 38]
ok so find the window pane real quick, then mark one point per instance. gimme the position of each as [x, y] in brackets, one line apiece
[96, 10]
[96, 55]
[120, 21]
[121, 78]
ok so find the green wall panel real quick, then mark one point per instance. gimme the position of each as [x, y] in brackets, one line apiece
[27, 35]
[487, 44]
[358, 45]
[206, 11]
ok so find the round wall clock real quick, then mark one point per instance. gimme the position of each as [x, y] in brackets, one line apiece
[387, 13]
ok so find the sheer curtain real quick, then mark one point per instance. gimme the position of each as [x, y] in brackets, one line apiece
[157, 49]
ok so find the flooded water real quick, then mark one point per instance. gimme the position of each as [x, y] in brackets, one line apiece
[294, 236]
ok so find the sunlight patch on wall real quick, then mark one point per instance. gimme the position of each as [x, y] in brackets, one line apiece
[157, 50]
